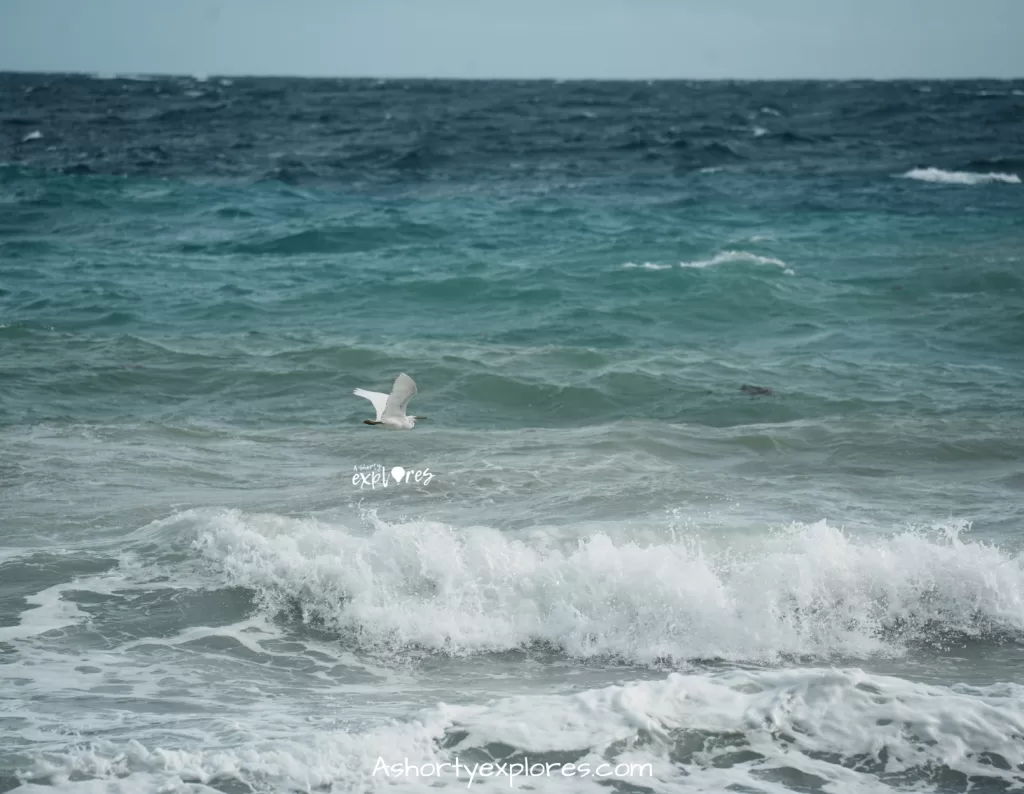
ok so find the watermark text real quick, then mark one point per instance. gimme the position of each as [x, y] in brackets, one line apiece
[515, 771]
[376, 476]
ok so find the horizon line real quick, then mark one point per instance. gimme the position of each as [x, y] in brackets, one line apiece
[202, 76]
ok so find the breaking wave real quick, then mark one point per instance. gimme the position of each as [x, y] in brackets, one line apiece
[809, 591]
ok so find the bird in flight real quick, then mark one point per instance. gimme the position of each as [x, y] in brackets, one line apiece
[390, 408]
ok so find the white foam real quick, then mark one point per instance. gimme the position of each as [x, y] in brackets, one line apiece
[726, 257]
[647, 266]
[959, 177]
[760, 132]
[35, 135]
[845, 714]
[300, 761]
[723, 258]
[50, 610]
[709, 732]
[810, 590]
[50, 613]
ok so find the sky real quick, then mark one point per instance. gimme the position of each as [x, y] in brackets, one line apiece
[596, 39]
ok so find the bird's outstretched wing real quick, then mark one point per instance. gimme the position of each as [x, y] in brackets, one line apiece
[379, 400]
[401, 393]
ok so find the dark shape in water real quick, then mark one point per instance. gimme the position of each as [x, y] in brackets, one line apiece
[756, 391]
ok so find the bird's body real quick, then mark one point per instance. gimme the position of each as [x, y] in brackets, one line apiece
[390, 408]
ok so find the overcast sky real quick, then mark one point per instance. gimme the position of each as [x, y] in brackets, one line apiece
[519, 38]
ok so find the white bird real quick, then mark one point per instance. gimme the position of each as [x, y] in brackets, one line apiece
[391, 407]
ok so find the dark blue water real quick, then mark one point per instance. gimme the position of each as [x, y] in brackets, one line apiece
[723, 394]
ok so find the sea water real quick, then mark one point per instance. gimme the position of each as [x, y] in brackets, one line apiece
[724, 438]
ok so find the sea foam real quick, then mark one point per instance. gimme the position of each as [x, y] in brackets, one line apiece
[959, 177]
[809, 590]
[722, 258]
[844, 728]
[726, 257]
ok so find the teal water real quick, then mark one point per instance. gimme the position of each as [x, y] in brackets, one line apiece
[723, 394]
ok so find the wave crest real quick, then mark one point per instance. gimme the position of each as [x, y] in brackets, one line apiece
[959, 177]
[809, 591]
[722, 258]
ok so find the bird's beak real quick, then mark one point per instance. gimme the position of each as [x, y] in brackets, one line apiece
[419, 417]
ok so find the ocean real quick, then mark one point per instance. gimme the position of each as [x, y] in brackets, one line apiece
[721, 484]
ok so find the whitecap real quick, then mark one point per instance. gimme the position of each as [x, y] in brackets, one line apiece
[646, 266]
[959, 177]
[722, 258]
[726, 257]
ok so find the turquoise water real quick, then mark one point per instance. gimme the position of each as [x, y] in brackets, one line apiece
[723, 395]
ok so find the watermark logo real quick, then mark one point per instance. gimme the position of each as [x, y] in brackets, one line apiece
[515, 772]
[376, 475]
